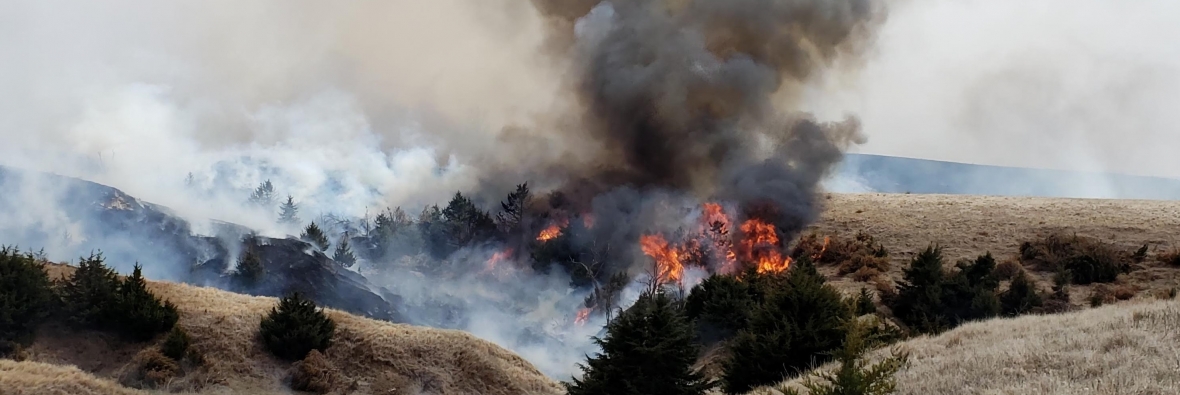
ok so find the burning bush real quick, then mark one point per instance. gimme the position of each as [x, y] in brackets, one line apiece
[1087, 259]
[647, 350]
[801, 321]
[295, 327]
[25, 297]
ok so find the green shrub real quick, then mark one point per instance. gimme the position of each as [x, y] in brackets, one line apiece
[720, 305]
[1021, 297]
[970, 294]
[1088, 260]
[95, 298]
[90, 296]
[139, 314]
[295, 327]
[799, 324]
[176, 344]
[929, 300]
[856, 376]
[648, 350]
[863, 303]
[25, 297]
[919, 303]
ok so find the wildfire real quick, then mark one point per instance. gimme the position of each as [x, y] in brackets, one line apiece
[827, 240]
[496, 258]
[714, 215]
[583, 316]
[760, 245]
[588, 220]
[669, 267]
[716, 226]
[549, 233]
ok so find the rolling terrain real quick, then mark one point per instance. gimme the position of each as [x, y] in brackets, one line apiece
[379, 357]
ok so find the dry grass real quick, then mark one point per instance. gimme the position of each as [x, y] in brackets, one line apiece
[967, 226]
[1132, 348]
[372, 356]
[36, 378]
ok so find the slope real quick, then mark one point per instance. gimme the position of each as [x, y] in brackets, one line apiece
[1132, 348]
[371, 356]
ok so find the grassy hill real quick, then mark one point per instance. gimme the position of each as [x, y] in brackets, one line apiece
[967, 226]
[370, 356]
[1131, 348]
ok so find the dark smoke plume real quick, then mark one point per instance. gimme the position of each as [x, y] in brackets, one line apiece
[694, 96]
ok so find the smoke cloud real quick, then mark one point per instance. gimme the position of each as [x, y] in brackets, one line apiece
[633, 112]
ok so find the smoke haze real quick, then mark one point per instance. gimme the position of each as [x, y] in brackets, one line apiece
[638, 111]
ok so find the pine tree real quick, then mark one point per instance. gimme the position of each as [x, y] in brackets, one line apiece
[970, 294]
[796, 328]
[25, 297]
[647, 350]
[863, 304]
[312, 234]
[295, 327]
[721, 306]
[176, 344]
[289, 212]
[510, 221]
[343, 254]
[250, 269]
[919, 296]
[855, 376]
[1021, 296]
[89, 294]
[264, 195]
[141, 315]
[465, 222]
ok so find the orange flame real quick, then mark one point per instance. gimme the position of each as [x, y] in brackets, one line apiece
[549, 233]
[760, 246]
[583, 316]
[827, 239]
[496, 258]
[588, 220]
[716, 226]
[668, 265]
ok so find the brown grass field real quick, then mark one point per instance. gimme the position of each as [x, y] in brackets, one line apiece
[967, 226]
[1129, 348]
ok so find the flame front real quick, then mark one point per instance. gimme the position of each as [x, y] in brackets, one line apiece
[760, 246]
[583, 316]
[497, 258]
[669, 267]
[549, 233]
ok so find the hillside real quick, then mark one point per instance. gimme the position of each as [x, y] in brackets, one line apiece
[372, 356]
[966, 226]
[1123, 349]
